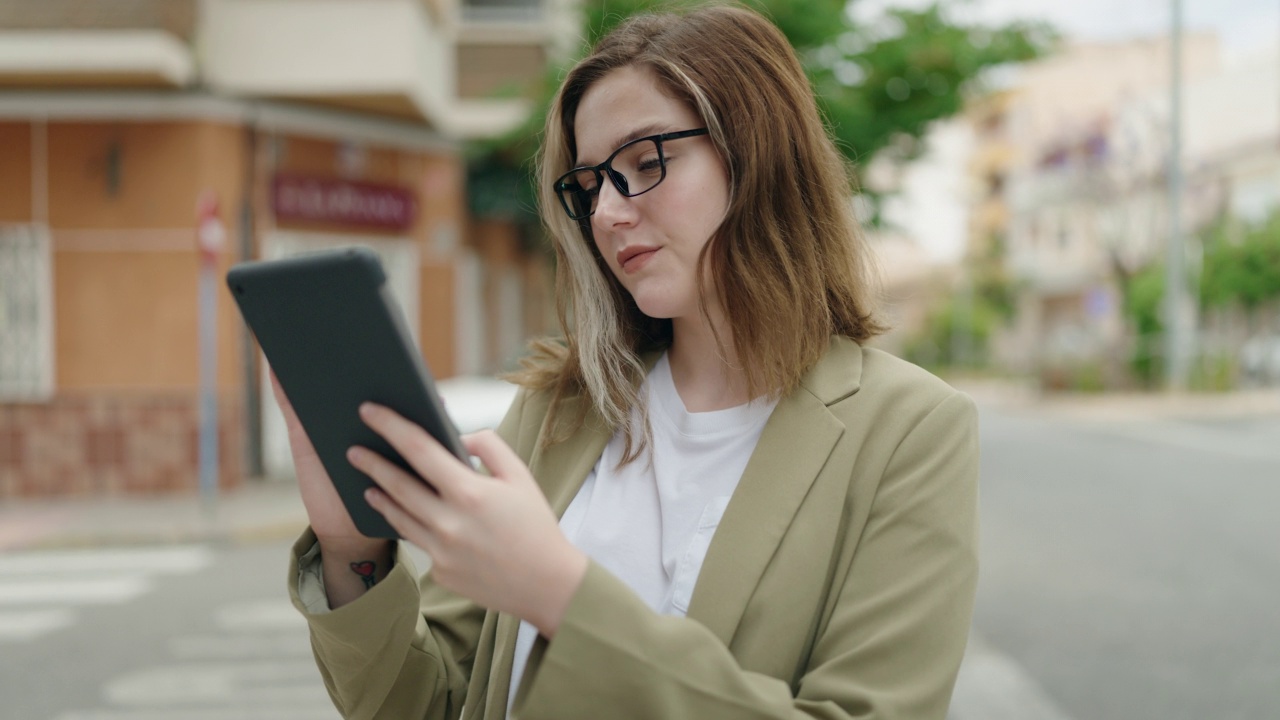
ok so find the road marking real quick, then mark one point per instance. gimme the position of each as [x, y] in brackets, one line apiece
[240, 646]
[72, 592]
[283, 682]
[257, 615]
[27, 625]
[305, 712]
[179, 559]
[993, 686]
[39, 589]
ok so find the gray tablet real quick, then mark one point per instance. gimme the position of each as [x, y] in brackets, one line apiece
[336, 338]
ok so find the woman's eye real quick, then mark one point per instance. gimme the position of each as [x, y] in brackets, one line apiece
[650, 165]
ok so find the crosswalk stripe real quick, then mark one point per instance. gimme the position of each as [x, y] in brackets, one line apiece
[219, 683]
[72, 592]
[177, 559]
[259, 615]
[240, 646]
[315, 711]
[26, 625]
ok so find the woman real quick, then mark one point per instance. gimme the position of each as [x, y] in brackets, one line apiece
[709, 501]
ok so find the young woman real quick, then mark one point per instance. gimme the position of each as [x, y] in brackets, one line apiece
[709, 500]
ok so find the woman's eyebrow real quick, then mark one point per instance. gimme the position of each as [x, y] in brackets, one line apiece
[646, 130]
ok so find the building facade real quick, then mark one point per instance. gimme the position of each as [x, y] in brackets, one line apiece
[1070, 187]
[310, 125]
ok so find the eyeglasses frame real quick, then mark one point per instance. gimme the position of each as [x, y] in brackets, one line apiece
[605, 169]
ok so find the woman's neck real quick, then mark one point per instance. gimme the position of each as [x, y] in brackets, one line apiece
[706, 377]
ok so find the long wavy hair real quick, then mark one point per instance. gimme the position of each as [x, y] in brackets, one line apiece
[789, 264]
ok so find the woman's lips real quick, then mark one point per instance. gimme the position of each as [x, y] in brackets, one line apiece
[637, 261]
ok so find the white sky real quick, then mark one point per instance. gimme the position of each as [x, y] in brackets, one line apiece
[1244, 26]
[932, 206]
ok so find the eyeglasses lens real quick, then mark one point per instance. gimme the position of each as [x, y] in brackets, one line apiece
[636, 168]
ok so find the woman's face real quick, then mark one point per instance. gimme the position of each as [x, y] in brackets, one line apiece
[651, 241]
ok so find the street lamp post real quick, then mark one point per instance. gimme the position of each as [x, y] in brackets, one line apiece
[1177, 315]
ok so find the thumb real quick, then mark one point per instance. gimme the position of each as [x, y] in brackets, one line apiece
[497, 456]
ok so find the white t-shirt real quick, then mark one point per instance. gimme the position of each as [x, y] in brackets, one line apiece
[650, 522]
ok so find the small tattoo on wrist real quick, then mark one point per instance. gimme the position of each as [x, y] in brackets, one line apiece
[366, 569]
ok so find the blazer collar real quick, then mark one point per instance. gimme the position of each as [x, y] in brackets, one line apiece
[792, 450]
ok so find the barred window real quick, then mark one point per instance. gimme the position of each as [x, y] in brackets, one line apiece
[26, 314]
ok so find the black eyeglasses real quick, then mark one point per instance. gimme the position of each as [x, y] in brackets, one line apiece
[634, 169]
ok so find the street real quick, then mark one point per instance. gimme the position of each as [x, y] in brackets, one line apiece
[1130, 570]
[176, 633]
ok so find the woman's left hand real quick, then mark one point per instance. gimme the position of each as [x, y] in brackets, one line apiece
[493, 539]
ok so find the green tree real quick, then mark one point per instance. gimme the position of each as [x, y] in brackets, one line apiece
[879, 85]
[1143, 306]
[1241, 264]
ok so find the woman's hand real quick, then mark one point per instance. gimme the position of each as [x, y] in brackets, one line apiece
[352, 562]
[329, 517]
[493, 539]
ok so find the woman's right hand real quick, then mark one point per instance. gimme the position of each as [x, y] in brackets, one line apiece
[329, 517]
[352, 562]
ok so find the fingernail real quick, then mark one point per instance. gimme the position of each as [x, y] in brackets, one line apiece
[366, 409]
[354, 454]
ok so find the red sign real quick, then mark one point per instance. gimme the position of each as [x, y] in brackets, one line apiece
[344, 202]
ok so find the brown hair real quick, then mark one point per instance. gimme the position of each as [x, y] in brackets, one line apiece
[789, 262]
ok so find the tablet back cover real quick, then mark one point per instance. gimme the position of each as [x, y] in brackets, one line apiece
[335, 337]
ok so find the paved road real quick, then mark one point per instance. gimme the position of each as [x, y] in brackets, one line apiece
[177, 633]
[1131, 570]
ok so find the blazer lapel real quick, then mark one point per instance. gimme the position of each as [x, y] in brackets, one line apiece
[793, 448]
[561, 470]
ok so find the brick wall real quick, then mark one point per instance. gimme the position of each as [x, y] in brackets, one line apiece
[106, 444]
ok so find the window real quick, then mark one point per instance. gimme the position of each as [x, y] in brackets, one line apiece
[26, 314]
[502, 10]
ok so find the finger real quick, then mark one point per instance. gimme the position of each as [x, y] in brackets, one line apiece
[427, 456]
[494, 452]
[404, 488]
[282, 400]
[404, 522]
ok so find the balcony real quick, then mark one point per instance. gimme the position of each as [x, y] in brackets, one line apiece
[91, 44]
[517, 12]
[388, 57]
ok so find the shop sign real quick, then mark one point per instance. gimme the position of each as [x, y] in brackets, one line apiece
[343, 202]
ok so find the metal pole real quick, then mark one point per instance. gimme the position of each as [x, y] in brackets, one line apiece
[210, 236]
[1176, 346]
[208, 384]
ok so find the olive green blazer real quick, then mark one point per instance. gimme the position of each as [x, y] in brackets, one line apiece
[840, 582]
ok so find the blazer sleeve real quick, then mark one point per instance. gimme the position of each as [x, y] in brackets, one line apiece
[405, 649]
[889, 648]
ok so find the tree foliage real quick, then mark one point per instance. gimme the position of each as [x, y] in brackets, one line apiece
[879, 85]
[1241, 264]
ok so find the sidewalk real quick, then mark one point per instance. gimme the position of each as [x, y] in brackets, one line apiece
[1123, 407]
[270, 509]
[261, 510]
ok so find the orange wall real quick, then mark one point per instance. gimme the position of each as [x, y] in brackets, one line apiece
[157, 176]
[126, 307]
[438, 318]
[126, 302]
[15, 172]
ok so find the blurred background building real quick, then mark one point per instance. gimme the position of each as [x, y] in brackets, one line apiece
[1023, 238]
[1062, 176]
[313, 124]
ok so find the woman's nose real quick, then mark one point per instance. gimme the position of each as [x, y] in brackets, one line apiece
[612, 207]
